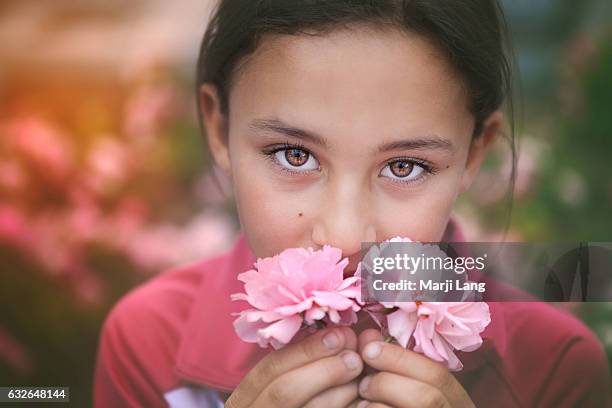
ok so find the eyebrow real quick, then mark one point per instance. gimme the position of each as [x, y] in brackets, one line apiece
[277, 126]
[421, 143]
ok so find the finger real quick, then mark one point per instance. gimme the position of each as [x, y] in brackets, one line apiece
[323, 343]
[339, 396]
[396, 359]
[368, 336]
[300, 385]
[351, 341]
[402, 392]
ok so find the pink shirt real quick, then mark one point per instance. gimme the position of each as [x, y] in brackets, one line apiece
[170, 342]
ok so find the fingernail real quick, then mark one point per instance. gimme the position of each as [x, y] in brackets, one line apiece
[372, 350]
[363, 385]
[331, 340]
[363, 404]
[351, 360]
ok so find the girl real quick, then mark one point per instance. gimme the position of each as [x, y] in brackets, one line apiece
[340, 122]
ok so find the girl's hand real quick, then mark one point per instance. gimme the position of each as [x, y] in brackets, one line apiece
[315, 372]
[405, 378]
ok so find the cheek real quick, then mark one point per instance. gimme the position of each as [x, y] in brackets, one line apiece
[269, 216]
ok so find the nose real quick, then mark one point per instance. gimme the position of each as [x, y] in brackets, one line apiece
[344, 221]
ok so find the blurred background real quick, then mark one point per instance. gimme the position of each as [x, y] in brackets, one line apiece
[105, 182]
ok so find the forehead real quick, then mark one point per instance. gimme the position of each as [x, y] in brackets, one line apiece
[357, 81]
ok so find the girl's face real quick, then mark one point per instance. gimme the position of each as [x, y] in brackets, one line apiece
[356, 135]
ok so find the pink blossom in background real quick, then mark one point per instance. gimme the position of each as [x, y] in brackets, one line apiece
[206, 234]
[151, 247]
[44, 145]
[438, 328]
[91, 155]
[108, 164]
[57, 236]
[160, 246]
[128, 217]
[295, 287]
[36, 239]
[147, 109]
[86, 283]
[13, 226]
[12, 176]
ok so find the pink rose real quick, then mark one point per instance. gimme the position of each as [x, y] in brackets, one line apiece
[302, 287]
[295, 287]
[439, 328]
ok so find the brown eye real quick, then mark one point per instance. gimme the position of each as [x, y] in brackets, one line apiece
[401, 168]
[296, 157]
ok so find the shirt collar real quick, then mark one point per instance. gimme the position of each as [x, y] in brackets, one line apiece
[211, 354]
